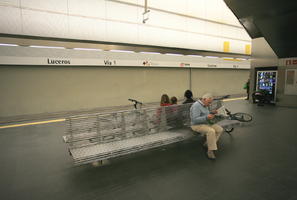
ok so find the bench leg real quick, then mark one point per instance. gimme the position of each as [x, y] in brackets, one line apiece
[100, 163]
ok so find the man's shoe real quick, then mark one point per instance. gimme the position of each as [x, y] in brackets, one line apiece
[211, 155]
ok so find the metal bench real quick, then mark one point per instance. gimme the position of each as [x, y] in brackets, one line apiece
[97, 137]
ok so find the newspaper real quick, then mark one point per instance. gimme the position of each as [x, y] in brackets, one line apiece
[222, 112]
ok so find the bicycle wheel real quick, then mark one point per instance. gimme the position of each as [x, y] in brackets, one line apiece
[242, 117]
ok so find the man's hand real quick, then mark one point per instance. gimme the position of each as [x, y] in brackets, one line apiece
[214, 112]
[210, 116]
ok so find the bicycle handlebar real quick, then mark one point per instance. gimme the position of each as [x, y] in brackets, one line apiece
[135, 101]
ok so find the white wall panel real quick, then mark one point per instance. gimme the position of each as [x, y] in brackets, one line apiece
[237, 46]
[50, 5]
[214, 10]
[162, 37]
[10, 20]
[213, 43]
[196, 8]
[86, 28]
[121, 32]
[45, 24]
[149, 35]
[213, 29]
[122, 12]
[229, 17]
[167, 20]
[231, 32]
[195, 41]
[10, 2]
[244, 35]
[170, 5]
[196, 26]
[171, 38]
[92, 8]
[138, 2]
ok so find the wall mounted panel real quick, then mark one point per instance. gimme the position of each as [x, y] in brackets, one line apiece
[90, 8]
[48, 5]
[45, 24]
[10, 20]
[86, 28]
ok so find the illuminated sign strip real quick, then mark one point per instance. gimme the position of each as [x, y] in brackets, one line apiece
[70, 57]
[11, 60]
[5, 60]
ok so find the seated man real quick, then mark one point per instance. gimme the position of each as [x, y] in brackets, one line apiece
[200, 116]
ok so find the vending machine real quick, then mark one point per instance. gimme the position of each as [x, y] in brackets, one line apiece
[267, 81]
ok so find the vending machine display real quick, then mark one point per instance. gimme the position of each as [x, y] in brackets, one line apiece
[266, 80]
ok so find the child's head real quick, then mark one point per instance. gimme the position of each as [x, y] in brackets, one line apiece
[164, 98]
[173, 100]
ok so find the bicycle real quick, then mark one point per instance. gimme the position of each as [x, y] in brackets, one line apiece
[225, 114]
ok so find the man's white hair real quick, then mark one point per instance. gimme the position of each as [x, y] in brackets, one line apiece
[207, 96]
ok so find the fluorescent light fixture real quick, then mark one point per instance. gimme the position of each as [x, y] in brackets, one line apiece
[242, 58]
[87, 49]
[211, 57]
[173, 54]
[195, 56]
[121, 51]
[8, 45]
[46, 47]
[147, 52]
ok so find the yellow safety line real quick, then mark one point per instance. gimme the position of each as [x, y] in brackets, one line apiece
[232, 59]
[233, 99]
[32, 123]
[62, 120]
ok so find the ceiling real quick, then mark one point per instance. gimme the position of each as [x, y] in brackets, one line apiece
[274, 20]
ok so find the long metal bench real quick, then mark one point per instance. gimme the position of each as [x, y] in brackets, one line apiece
[97, 137]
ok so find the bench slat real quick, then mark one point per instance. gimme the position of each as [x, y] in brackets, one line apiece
[122, 147]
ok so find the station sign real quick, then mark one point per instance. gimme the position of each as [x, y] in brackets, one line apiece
[70, 57]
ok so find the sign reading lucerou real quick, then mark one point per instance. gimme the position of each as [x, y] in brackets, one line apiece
[58, 61]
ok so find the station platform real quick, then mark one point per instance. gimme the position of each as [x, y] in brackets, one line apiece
[256, 162]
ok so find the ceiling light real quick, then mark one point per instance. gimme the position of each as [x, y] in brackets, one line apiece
[195, 56]
[211, 57]
[8, 45]
[87, 49]
[147, 52]
[47, 47]
[122, 51]
[173, 54]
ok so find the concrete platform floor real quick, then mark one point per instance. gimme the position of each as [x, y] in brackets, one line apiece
[255, 163]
